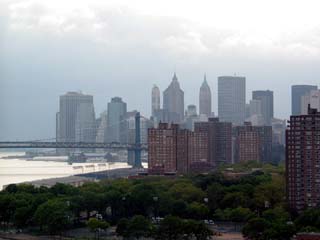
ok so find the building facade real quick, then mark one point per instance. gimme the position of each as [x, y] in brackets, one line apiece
[175, 150]
[116, 130]
[232, 99]
[205, 99]
[76, 117]
[297, 91]
[155, 100]
[252, 143]
[312, 99]
[173, 100]
[219, 140]
[86, 128]
[266, 99]
[303, 160]
[162, 149]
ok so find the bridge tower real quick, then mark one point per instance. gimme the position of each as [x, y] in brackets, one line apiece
[137, 147]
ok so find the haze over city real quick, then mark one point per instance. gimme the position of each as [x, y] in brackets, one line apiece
[122, 48]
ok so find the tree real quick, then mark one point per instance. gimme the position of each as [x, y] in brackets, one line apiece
[96, 226]
[139, 226]
[255, 228]
[215, 193]
[196, 228]
[54, 215]
[198, 211]
[171, 228]
[309, 218]
[122, 227]
[240, 214]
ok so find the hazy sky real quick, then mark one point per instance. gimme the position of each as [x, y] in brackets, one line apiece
[122, 47]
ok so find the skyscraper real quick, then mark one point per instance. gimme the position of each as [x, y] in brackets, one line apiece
[173, 99]
[303, 160]
[205, 98]
[266, 98]
[86, 123]
[232, 99]
[297, 91]
[116, 129]
[312, 99]
[155, 99]
[75, 113]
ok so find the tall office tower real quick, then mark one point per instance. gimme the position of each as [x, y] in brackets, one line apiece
[252, 143]
[312, 99]
[303, 160]
[255, 116]
[117, 110]
[255, 107]
[232, 99]
[205, 98]
[219, 140]
[102, 128]
[297, 91]
[155, 99]
[70, 112]
[173, 100]
[266, 98]
[86, 123]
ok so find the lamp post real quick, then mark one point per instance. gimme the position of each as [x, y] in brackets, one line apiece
[206, 201]
[155, 199]
[124, 205]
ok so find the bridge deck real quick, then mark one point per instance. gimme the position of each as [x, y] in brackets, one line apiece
[29, 144]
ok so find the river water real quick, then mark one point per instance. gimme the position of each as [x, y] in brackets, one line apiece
[19, 170]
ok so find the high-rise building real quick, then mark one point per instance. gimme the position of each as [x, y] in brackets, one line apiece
[86, 123]
[219, 140]
[155, 100]
[102, 127]
[162, 149]
[266, 98]
[232, 99]
[205, 98]
[75, 115]
[297, 91]
[254, 113]
[303, 160]
[175, 150]
[173, 100]
[252, 143]
[117, 110]
[313, 99]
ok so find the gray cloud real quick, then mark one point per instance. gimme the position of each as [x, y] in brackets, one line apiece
[113, 50]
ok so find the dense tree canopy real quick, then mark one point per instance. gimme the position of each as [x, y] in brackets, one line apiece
[255, 200]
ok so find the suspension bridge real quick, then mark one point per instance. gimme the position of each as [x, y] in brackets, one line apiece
[137, 147]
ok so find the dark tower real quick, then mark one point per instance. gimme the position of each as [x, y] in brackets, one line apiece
[137, 149]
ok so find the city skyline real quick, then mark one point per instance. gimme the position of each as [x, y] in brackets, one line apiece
[214, 101]
[51, 47]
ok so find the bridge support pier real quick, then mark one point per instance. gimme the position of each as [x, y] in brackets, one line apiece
[137, 148]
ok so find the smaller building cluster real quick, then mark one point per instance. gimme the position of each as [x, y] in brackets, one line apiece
[173, 150]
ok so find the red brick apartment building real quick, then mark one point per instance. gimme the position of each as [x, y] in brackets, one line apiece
[171, 149]
[252, 143]
[303, 160]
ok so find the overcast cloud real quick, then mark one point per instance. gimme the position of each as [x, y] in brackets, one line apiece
[122, 48]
